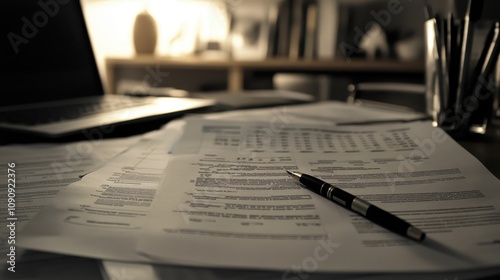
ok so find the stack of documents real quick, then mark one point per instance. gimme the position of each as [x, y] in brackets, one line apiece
[211, 192]
[43, 170]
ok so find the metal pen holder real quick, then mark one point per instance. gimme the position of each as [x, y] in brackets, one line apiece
[460, 101]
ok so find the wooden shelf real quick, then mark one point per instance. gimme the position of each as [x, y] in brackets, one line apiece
[236, 68]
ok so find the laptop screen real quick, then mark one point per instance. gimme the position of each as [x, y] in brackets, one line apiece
[45, 52]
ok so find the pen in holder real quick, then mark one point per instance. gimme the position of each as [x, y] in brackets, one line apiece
[460, 101]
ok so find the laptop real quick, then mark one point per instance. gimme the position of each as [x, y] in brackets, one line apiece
[50, 82]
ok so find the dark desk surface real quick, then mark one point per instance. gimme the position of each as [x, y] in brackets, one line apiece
[486, 148]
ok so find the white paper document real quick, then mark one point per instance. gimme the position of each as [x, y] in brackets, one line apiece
[41, 171]
[226, 200]
[101, 215]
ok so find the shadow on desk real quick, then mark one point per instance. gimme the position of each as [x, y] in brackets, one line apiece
[15, 137]
[55, 268]
[119, 130]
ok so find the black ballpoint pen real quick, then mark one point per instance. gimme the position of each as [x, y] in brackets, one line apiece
[359, 206]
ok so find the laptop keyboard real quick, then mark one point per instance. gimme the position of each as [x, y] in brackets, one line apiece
[67, 112]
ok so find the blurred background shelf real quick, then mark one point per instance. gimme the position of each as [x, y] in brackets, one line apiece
[316, 47]
[205, 74]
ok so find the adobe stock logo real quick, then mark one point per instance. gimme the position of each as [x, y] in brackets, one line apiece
[30, 28]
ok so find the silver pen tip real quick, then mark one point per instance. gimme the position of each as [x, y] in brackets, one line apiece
[295, 175]
[415, 234]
